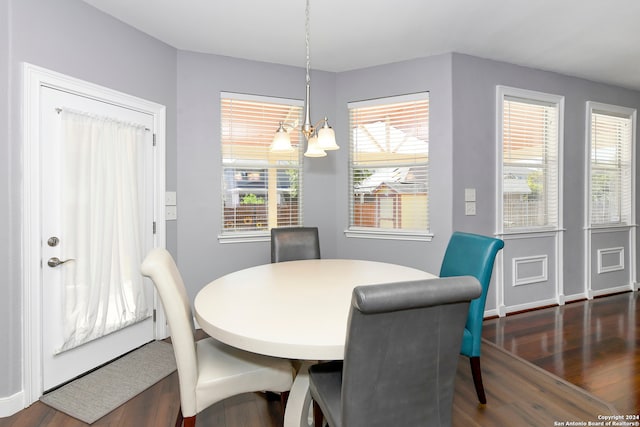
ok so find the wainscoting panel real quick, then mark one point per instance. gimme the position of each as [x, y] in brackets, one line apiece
[529, 270]
[529, 276]
[610, 261]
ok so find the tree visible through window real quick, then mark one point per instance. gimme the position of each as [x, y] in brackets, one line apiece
[260, 189]
[389, 158]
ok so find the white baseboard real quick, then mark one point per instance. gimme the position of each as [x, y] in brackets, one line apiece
[491, 313]
[528, 306]
[575, 297]
[612, 290]
[12, 404]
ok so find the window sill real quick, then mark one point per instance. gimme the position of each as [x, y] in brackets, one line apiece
[608, 227]
[387, 235]
[244, 237]
[530, 231]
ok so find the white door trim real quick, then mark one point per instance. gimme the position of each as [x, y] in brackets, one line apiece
[35, 77]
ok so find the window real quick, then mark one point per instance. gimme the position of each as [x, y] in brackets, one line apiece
[389, 167]
[530, 138]
[260, 189]
[610, 136]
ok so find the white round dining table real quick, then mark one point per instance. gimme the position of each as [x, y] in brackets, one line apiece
[295, 310]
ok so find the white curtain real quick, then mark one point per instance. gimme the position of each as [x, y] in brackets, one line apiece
[103, 175]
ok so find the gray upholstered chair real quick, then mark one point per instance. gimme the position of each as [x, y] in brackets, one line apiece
[401, 356]
[294, 243]
[208, 370]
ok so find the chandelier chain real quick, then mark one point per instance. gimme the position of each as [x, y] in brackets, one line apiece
[306, 39]
[318, 139]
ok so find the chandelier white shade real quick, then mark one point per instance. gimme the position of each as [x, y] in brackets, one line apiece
[318, 140]
[327, 137]
[313, 148]
[281, 140]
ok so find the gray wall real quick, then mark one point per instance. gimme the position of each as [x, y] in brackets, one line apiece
[201, 78]
[70, 37]
[429, 74]
[474, 142]
[10, 332]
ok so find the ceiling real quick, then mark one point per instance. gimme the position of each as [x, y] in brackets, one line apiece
[594, 39]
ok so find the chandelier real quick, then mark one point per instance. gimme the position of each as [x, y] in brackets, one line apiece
[319, 140]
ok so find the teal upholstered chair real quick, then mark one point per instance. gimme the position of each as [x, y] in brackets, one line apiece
[472, 255]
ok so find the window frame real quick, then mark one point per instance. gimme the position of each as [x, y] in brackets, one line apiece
[616, 111]
[236, 235]
[502, 93]
[382, 233]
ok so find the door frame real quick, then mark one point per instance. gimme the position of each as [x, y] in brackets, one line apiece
[34, 78]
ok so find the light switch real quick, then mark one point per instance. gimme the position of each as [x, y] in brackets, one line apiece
[170, 198]
[171, 213]
[469, 194]
[469, 208]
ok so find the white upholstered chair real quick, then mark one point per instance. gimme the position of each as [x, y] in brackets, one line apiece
[208, 370]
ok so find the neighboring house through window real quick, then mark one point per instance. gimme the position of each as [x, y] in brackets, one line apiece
[260, 189]
[389, 167]
[530, 160]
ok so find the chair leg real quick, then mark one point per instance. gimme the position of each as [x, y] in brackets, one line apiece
[188, 422]
[318, 417]
[284, 398]
[477, 379]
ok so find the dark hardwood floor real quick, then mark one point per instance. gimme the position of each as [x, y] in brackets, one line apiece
[592, 344]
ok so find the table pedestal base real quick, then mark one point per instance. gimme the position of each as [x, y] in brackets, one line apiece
[298, 412]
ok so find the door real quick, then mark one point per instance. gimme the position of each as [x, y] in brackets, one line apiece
[59, 264]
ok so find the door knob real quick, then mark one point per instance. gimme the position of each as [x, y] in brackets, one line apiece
[55, 261]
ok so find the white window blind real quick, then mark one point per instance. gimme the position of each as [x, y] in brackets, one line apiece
[389, 165]
[530, 136]
[260, 189]
[611, 167]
